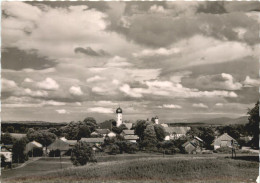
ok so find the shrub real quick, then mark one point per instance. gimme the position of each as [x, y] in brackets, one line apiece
[223, 150]
[82, 153]
[113, 149]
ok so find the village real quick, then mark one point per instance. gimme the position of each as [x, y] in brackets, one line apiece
[144, 138]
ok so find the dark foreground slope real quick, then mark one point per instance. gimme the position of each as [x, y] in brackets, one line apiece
[154, 170]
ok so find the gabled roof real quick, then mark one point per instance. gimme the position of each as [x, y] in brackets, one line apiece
[93, 140]
[17, 135]
[128, 132]
[5, 149]
[59, 144]
[224, 137]
[72, 142]
[131, 137]
[102, 131]
[128, 125]
[177, 130]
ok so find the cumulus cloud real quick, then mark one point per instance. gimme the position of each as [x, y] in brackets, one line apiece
[48, 84]
[100, 110]
[171, 106]
[75, 90]
[200, 105]
[167, 88]
[117, 62]
[95, 78]
[219, 81]
[219, 104]
[28, 80]
[156, 52]
[61, 111]
[250, 82]
[37, 93]
[8, 85]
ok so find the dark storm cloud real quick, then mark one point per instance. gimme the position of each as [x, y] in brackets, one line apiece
[15, 59]
[90, 52]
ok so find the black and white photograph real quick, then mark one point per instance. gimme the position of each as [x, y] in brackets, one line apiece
[130, 91]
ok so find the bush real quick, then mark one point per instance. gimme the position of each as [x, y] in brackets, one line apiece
[223, 150]
[113, 149]
[82, 153]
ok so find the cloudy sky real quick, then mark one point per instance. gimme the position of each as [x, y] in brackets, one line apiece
[64, 61]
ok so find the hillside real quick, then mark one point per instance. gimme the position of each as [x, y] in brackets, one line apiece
[159, 169]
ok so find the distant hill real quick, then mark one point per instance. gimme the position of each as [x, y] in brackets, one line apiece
[214, 121]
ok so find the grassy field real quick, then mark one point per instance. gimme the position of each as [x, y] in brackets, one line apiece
[152, 170]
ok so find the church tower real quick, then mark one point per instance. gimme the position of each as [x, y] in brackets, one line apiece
[156, 120]
[119, 113]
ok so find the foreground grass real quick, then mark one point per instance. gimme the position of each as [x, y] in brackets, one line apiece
[153, 170]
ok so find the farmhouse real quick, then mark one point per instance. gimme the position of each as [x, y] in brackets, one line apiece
[7, 153]
[102, 132]
[175, 132]
[32, 145]
[193, 146]
[58, 144]
[224, 141]
[111, 134]
[131, 138]
[127, 132]
[93, 141]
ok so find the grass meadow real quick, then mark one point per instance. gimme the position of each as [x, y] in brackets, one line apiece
[152, 170]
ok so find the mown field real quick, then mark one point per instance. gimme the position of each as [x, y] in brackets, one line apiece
[153, 170]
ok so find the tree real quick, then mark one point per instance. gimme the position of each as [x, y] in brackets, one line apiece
[205, 133]
[82, 153]
[10, 129]
[149, 139]
[119, 129]
[160, 133]
[253, 125]
[7, 138]
[91, 123]
[76, 130]
[18, 150]
[43, 137]
[139, 128]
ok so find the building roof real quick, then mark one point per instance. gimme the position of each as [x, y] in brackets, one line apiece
[93, 140]
[72, 142]
[31, 145]
[102, 131]
[5, 149]
[128, 132]
[17, 135]
[128, 125]
[59, 145]
[223, 137]
[119, 110]
[131, 137]
[177, 130]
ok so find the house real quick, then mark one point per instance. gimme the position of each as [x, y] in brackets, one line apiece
[7, 153]
[128, 125]
[102, 132]
[193, 146]
[17, 136]
[175, 132]
[61, 145]
[93, 141]
[164, 125]
[224, 140]
[111, 134]
[127, 132]
[32, 145]
[131, 138]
